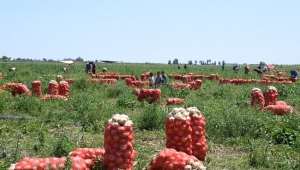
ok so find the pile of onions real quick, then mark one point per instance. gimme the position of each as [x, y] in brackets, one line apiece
[104, 70]
[198, 123]
[0, 76]
[53, 88]
[118, 143]
[186, 79]
[88, 154]
[170, 159]
[17, 88]
[150, 94]
[171, 101]
[271, 96]
[36, 88]
[257, 98]
[63, 89]
[179, 131]
[49, 163]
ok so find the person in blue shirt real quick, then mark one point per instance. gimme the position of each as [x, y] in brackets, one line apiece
[158, 80]
[294, 74]
[164, 77]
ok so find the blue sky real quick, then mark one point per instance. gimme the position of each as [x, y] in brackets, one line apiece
[237, 31]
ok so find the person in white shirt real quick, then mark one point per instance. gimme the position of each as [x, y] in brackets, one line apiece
[151, 79]
[13, 69]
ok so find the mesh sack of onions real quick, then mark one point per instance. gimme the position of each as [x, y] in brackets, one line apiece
[17, 88]
[90, 155]
[179, 85]
[198, 123]
[271, 96]
[108, 81]
[70, 81]
[50, 97]
[53, 88]
[0, 76]
[51, 163]
[170, 159]
[179, 131]
[171, 101]
[36, 88]
[118, 143]
[63, 89]
[257, 98]
[280, 108]
[152, 95]
[128, 82]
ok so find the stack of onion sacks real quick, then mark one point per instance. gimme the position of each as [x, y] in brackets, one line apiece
[271, 96]
[128, 82]
[257, 98]
[179, 131]
[118, 143]
[198, 123]
[170, 159]
[36, 88]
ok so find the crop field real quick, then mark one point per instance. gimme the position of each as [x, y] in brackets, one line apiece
[238, 136]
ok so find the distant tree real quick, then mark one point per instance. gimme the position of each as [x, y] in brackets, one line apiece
[219, 62]
[5, 58]
[195, 62]
[96, 61]
[175, 61]
[262, 63]
[169, 62]
[190, 62]
[44, 59]
[79, 59]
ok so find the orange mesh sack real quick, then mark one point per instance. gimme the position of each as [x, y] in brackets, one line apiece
[118, 143]
[179, 131]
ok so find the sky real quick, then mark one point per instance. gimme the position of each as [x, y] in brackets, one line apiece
[156, 31]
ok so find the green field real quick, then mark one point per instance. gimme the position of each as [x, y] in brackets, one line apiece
[238, 136]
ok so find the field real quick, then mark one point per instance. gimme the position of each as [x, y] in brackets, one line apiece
[238, 136]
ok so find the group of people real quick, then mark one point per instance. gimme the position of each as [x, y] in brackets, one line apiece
[160, 79]
[185, 66]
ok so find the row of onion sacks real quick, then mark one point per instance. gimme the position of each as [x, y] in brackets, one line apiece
[118, 143]
[257, 98]
[185, 130]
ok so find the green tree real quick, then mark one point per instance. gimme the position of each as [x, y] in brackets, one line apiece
[169, 62]
[175, 61]
[5, 58]
[190, 62]
[79, 59]
[262, 63]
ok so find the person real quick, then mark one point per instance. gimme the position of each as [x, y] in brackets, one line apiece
[151, 79]
[178, 67]
[164, 77]
[247, 69]
[13, 69]
[235, 68]
[223, 67]
[158, 80]
[185, 67]
[87, 67]
[258, 71]
[265, 69]
[93, 68]
[294, 74]
[64, 69]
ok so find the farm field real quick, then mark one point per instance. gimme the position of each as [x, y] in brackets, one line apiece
[238, 135]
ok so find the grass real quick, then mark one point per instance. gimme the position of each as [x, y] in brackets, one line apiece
[239, 137]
